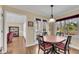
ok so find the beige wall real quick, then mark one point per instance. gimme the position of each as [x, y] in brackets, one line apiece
[30, 17]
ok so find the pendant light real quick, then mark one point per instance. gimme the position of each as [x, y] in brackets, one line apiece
[51, 18]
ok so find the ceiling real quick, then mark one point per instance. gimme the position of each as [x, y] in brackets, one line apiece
[45, 10]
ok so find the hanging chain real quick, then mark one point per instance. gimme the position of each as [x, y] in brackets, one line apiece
[51, 11]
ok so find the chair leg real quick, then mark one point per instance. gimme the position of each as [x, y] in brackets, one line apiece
[44, 52]
[64, 51]
[68, 51]
[38, 50]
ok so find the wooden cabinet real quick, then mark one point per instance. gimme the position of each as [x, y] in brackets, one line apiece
[15, 30]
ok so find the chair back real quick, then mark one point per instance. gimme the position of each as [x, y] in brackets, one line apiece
[40, 39]
[68, 41]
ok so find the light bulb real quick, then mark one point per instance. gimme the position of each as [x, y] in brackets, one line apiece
[51, 20]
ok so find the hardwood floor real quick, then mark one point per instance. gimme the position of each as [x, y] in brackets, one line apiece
[34, 50]
[74, 51]
[18, 47]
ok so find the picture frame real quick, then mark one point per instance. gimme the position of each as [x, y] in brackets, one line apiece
[30, 23]
[15, 30]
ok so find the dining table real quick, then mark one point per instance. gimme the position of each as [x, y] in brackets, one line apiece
[52, 39]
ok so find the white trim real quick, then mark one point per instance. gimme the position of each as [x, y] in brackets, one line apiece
[73, 46]
[31, 44]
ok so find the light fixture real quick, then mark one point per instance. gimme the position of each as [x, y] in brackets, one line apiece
[51, 18]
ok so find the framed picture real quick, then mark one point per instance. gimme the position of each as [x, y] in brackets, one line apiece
[15, 30]
[30, 23]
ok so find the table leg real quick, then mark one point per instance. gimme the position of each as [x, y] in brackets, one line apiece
[53, 50]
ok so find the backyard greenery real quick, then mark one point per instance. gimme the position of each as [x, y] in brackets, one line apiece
[70, 28]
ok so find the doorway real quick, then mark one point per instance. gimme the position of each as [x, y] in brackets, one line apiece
[14, 23]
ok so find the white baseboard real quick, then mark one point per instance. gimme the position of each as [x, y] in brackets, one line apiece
[75, 47]
[28, 45]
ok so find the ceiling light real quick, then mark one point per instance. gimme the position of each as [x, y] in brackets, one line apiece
[51, 18]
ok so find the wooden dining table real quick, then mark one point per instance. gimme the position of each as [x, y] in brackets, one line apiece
[52, 39]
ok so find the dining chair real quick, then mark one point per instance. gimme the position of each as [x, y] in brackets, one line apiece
[64, 46]
[44, 46]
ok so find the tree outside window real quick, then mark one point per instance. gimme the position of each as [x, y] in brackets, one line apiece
[69, 27]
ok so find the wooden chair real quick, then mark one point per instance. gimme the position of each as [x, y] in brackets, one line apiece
[64, 46]
[44, 46]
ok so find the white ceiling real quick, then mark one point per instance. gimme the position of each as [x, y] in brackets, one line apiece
[45, 10]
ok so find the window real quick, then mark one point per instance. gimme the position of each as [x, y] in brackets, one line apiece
[67, 27]
[44, 26]
[41, 26]
[38, 26]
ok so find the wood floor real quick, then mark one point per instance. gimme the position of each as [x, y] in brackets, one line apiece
[18, 47]
[34, 50]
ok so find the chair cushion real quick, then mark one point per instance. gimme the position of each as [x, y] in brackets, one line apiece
[60, 46]
[46, 45]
